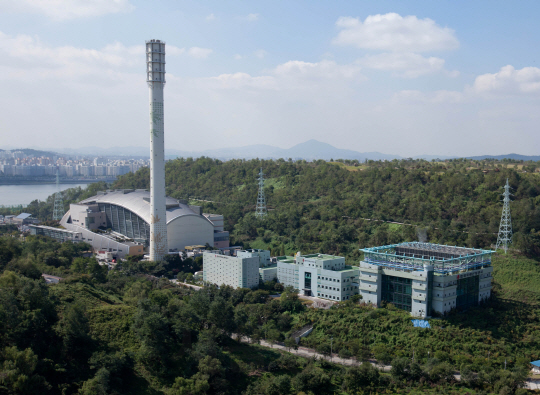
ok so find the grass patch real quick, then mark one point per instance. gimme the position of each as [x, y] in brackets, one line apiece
[276, 182]
[517, 278]
[84, 293]
[112, 325]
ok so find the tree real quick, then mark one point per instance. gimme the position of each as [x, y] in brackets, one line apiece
[312, 379]
[400, 368]
[273, 336]
[291, 343]
[221, 315]
[74, 330]
[98, 385]
[137, 291]
[17, 373]
[356, 378]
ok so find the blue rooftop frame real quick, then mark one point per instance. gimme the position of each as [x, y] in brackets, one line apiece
[463, 258]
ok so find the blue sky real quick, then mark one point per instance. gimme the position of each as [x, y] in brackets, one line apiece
[407, 78]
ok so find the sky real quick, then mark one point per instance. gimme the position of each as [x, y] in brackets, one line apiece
[408, 78]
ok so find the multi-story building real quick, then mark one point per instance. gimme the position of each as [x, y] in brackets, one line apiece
[237, 272]
[423, 278]
[56, 233]
[267, 270]
[263, 255]
[321, 275]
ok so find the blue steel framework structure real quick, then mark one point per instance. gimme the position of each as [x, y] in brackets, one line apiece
[411, 256]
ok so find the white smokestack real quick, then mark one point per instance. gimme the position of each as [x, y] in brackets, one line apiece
[155, 73]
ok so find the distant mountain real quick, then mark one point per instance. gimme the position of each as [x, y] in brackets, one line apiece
[509, 156]
[310, 150]
[33, 152]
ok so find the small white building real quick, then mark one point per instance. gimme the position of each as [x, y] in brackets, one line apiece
[535, 367]
[234, 271]
[320, 275]
[264, 256]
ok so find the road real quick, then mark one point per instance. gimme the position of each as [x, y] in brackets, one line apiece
[310, 353]
[181, 284]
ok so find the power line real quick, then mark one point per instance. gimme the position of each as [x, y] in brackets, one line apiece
[505, 228]
[58, 211]
[261, 211]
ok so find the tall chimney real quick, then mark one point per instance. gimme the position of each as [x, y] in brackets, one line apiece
[155, 76]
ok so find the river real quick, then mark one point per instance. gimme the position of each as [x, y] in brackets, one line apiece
[11, 195]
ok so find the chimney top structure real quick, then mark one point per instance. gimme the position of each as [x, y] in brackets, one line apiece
[155, 77]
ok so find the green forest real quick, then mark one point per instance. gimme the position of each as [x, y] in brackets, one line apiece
[338, 208]
[130, 331]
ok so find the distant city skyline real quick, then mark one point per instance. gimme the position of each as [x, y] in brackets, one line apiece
[407, 79]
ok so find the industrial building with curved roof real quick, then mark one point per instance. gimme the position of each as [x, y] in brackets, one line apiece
[127, 214]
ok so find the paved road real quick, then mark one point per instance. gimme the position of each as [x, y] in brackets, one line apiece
[309, 353]
[181, 284]
[51, 279]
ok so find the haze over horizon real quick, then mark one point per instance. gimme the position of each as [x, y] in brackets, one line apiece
[404, 79]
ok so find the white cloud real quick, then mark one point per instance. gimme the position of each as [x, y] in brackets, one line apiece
[294, 75]
[199, 53]
[30, 58]
[251, 17]
[408, 65]
[418, 97]
[67, 9]
[260, 53]
[82, 95]
[242, 80]
[238, 56]
[325, 69]
[392, 32]
[509, 81]
[211, 17]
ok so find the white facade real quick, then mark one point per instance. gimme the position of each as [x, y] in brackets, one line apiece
[128, 212]
[155, 71]
[268, 273]
[428, 290]
[323, 276]
[263, 255]
[230, 270]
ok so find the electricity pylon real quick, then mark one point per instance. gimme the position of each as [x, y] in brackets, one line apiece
[505, 228]
[58, 211]
[261, 212]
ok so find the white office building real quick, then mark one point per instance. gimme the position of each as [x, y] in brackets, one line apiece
[237, 272]
[320, 275]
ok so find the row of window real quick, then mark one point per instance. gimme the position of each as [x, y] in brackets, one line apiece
[332, 279]
[332, 297]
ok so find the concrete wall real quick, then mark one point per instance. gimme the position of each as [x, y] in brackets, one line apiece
[230, 270]
[189, 230]
[268, 273]
[287, 273]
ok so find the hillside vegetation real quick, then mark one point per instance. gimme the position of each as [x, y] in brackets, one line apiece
[118, 332]
[323, 207]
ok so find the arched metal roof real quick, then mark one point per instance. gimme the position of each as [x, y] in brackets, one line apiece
[138, 201]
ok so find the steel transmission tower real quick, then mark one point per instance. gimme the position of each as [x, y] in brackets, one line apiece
[58, 211]
[261, 201]
[505, 228]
